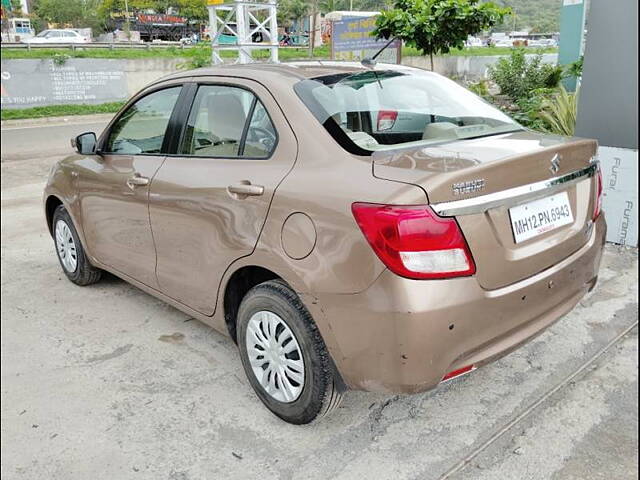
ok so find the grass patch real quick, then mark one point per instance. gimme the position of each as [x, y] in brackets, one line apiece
[121, 53]
[477, 51]
[157, 52]
[60, 110]
[285, 54]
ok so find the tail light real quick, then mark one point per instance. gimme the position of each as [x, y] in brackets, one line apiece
[386, 119]
[598, 204]
[458, 373]
[414, 242]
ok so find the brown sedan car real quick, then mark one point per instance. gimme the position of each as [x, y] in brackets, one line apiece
[376, 228]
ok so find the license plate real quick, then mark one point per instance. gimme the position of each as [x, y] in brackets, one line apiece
[540, 216]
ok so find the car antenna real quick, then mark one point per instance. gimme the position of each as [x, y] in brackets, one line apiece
[371, 62]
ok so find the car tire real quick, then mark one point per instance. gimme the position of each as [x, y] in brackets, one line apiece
[272, 312]
[71, 255]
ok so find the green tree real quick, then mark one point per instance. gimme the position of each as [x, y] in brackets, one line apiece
[195, 10]
[76, 13]
[437, 26]
[289, 10]
[327, 6]
[107, 7]
[536, 16]
[16, 8]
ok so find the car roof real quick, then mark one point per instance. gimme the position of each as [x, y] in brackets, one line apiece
[291, 71]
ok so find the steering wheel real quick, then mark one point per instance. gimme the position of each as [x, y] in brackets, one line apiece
[262, 136]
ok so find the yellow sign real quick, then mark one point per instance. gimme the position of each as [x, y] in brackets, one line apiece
[215, 2]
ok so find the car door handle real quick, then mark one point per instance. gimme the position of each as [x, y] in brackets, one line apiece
[137, 181]
[245, 189]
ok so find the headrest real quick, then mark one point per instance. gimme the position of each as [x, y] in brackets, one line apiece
[226, 116]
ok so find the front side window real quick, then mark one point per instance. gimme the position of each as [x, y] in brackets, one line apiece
[141, 128]
[384, 109]
[228, 122]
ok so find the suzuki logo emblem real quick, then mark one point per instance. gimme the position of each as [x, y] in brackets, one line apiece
[555, 163]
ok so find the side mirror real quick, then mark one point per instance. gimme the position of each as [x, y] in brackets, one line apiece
[85, 143]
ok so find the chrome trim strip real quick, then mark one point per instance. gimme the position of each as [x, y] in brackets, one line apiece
[512, 196]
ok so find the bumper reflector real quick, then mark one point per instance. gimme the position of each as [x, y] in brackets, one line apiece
[458, 373]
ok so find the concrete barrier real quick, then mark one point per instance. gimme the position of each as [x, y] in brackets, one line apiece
[467, 68]
[31, 83]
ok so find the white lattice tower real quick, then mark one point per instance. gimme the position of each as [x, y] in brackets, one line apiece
[240, 19]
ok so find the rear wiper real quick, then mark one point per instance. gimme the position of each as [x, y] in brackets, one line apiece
[491, 134]
[360, 79]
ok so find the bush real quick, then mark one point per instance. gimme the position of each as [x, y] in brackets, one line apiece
[518, 77]
[60, 59]
[558, 112]
[480, 88]
[197, 57]
[574, 70]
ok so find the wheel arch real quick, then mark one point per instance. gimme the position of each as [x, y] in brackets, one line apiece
[248, 276]
[51, 203]
[239, 283]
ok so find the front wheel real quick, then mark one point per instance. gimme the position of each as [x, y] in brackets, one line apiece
[73, 259]
[284, 356]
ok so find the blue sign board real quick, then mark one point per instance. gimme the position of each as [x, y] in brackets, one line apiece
[351, 40]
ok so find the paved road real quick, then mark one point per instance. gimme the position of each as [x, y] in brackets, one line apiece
[106, 382]
[24, 141]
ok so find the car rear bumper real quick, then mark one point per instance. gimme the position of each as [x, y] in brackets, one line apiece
[403, 335]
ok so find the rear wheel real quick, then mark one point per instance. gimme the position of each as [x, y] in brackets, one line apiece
[284, 356]
[71, 255]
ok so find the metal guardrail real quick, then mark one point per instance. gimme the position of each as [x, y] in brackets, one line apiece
[109, 45]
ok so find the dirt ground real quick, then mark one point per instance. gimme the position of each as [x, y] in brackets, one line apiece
[107, 382]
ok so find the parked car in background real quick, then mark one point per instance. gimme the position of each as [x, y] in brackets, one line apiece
[58, 36]
[473, 42]
[504, 42]
[342, 235]
[544, 43]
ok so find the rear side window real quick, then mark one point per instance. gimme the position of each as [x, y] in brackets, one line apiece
[141, 128]
[228, 122]
[261, 135]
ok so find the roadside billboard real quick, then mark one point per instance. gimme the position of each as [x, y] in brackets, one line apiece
[351, 39]
[34, 83]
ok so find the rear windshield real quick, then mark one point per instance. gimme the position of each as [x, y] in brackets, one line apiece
[383, 109]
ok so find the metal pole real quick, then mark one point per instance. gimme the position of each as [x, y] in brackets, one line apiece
[127, 24]
[273, 31]
[236, 18]
[242, 30]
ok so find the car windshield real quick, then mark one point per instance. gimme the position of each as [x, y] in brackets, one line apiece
[382, 109]
[43, 33]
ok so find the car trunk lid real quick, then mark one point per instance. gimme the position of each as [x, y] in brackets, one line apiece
[481, 181]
